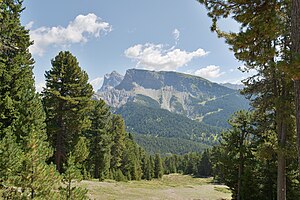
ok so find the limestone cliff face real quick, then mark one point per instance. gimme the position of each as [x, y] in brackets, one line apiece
[192, 96]
[110, 81]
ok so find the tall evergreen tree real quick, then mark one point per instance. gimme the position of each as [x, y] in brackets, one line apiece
[131, 160]
[263, 44]
[67, 101]
[100, 136]
[22, 127]
[118, 145]
[205, 166]
[158, 166]
[295, 67]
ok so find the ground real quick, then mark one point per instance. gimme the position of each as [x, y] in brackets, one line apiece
[173, 186]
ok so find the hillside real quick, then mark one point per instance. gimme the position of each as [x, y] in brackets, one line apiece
[161, 123]
[171, 105]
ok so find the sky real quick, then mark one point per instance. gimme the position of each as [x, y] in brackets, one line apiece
[107, 35]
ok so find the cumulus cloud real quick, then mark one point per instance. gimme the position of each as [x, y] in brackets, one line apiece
[176, 35]
[210, 71]
[96, 83]
[157, 57]
[78, 31]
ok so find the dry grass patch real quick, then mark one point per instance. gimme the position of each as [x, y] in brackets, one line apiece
[173, 186]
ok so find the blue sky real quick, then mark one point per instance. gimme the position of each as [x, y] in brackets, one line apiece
[107, 35]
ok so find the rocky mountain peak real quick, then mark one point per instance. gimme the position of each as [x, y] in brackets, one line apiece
[110, 81]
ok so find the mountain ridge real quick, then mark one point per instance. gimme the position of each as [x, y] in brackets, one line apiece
[176, 92]
[164, 107]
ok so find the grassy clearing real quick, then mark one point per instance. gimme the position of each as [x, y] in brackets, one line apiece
[174, 186]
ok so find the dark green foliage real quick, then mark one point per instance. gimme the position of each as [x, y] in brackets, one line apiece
[223, 108]
[118, 175]
[158, 167]
[72, 173]
[100, 137]
[247, 157]
[67, 102]
[112, 152]
[196, 164]
[118, 145]
[131, 160]
[148, 167]
[238, 144]
[165, 146]
[23, 140]
[263, 43]
[158, 122]
[205, 165]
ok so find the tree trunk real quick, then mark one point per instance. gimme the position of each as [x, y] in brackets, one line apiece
[281, 178]
[281, 168]
[295, 38]
[282, 134]
[241, 166]
[297, 101]
[60, 152]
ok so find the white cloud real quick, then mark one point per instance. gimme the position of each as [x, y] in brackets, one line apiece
[39, 86]
[156, 57]
[176, 35]
[77, 31]
[29, 25]
[96, 83]
[210, 71]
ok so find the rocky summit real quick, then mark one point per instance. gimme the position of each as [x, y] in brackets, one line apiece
[191, 96]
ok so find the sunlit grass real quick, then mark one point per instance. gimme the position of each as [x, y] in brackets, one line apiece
[174, 186]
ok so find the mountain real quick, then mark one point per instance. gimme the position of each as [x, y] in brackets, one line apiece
[171, 105]
[233, 86]
[110, 81]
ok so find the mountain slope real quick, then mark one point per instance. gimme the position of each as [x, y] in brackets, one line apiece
[192, 96]
[170, 106]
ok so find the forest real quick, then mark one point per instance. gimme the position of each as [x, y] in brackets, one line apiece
[52, 139]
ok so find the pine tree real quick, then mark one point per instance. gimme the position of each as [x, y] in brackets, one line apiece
[147, 168]
[22, 127]
[204, 166]
[158, 167]
[100, 136]
[118, 146]
[72, 174]
[12, 158]
[131, 160]
[263, 44]
[235, 160]
[67, 102]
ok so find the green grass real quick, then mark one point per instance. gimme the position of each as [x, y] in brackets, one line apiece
[174, 186]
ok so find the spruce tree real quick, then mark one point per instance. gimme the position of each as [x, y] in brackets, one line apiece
[71, 175]
[67, 101]
[22, 127]
[12, 158]
[205, 166]
[158, 167]
[131, 160]
[100, 136]
[118, 146]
